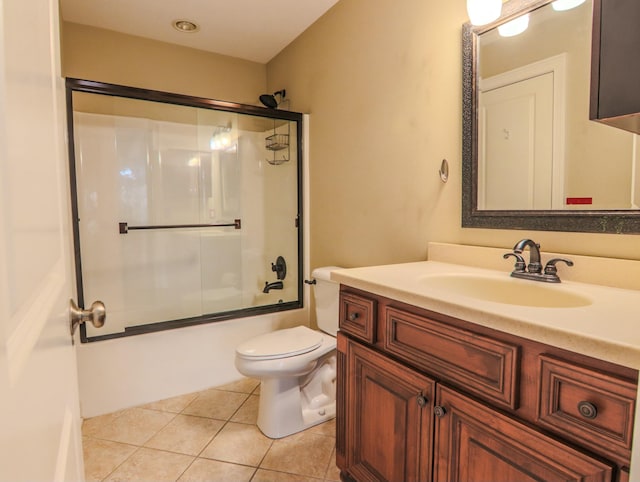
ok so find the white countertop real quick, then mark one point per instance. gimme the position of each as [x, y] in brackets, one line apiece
[608, 328]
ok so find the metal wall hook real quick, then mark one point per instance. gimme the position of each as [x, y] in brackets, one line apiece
[444, 170]
[97, 315]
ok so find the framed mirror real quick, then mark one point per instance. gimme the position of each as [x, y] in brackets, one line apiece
[531, 157]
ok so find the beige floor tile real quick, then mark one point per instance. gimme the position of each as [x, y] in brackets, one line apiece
[172, 440]
[133, 426]
[92, 426]
[215, 471]
[186, 434]
[326, 428]
[248, 412]
[216, 404]
[152, 465]
[302, 454]
[238, 443]
[101, 457]
[333, 472]
[272, 476]
[244, 385]
[174, 404]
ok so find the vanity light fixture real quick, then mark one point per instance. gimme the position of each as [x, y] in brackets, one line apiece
[482, 12]
[560, 5]
[185, 26]
[514, 27]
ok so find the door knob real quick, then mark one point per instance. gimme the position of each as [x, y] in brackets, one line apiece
[439, 411]
[587, 409]
[97, 315]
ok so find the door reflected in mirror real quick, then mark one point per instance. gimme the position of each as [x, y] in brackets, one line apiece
[536, 147]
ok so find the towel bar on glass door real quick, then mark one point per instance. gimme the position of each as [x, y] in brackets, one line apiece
[125, 228]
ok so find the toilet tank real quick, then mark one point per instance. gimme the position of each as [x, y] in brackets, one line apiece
[327, 295]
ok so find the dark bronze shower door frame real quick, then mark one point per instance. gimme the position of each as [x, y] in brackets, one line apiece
[93, 87]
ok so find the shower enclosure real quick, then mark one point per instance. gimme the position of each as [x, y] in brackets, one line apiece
[185, 209]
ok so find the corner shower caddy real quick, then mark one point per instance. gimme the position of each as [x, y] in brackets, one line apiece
[278, 142]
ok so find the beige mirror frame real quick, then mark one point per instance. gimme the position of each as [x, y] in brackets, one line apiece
[614, 221]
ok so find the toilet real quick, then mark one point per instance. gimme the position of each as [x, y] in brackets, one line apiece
[296, 367]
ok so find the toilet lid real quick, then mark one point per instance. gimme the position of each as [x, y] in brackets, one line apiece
[281, 343]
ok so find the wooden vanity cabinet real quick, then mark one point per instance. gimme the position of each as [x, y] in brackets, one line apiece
[389, 417]
[423, 396]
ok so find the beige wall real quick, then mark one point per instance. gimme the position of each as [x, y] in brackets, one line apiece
[382, 81]
[103, 55]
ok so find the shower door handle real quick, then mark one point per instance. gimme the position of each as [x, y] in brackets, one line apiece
[97, 315]
[124, 228]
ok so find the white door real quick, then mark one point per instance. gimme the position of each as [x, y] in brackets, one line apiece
[39, 408]
[515, 155]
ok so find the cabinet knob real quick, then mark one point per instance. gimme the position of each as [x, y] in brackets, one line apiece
[439, 411]
[422, 400]
[587, 409]
[354, 316]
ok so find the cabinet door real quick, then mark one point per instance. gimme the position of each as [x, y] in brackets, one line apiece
[616, 66]
[389, 419]
[475, 443]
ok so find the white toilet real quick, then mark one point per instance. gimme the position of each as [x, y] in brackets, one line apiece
[296, 367]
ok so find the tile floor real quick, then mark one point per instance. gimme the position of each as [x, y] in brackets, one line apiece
[205, 436]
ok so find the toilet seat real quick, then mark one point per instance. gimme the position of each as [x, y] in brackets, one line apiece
[281, 344]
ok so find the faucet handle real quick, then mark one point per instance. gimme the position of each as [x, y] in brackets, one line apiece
[550, 268]
[520, 263]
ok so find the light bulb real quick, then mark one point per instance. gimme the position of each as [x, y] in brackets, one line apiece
[221, 139]
[482, 12]
[514, 27]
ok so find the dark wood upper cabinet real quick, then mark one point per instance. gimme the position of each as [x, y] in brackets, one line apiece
[615, 64]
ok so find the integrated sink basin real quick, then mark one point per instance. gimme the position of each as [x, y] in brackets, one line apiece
[505, 290]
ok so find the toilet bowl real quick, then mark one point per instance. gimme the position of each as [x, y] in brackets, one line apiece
[296, 367]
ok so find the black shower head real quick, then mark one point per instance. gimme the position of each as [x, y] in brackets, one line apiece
[269, 100]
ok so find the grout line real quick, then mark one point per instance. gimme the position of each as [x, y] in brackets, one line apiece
[160, 429]
[254, 473]
[186, 468]
[214, 435]
[122, 463]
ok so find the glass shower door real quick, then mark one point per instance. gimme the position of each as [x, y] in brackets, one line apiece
[181, 213]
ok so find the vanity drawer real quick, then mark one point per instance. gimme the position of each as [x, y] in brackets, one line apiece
[476, 363]
[358, 316]
[588, 406]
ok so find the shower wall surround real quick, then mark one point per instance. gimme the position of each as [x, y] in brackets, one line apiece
[169, 172]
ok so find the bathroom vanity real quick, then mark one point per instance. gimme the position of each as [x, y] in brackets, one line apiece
[435, 384]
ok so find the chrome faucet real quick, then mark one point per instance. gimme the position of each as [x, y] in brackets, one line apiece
[533, 270]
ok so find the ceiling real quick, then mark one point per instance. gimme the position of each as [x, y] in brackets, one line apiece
[254, 30]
